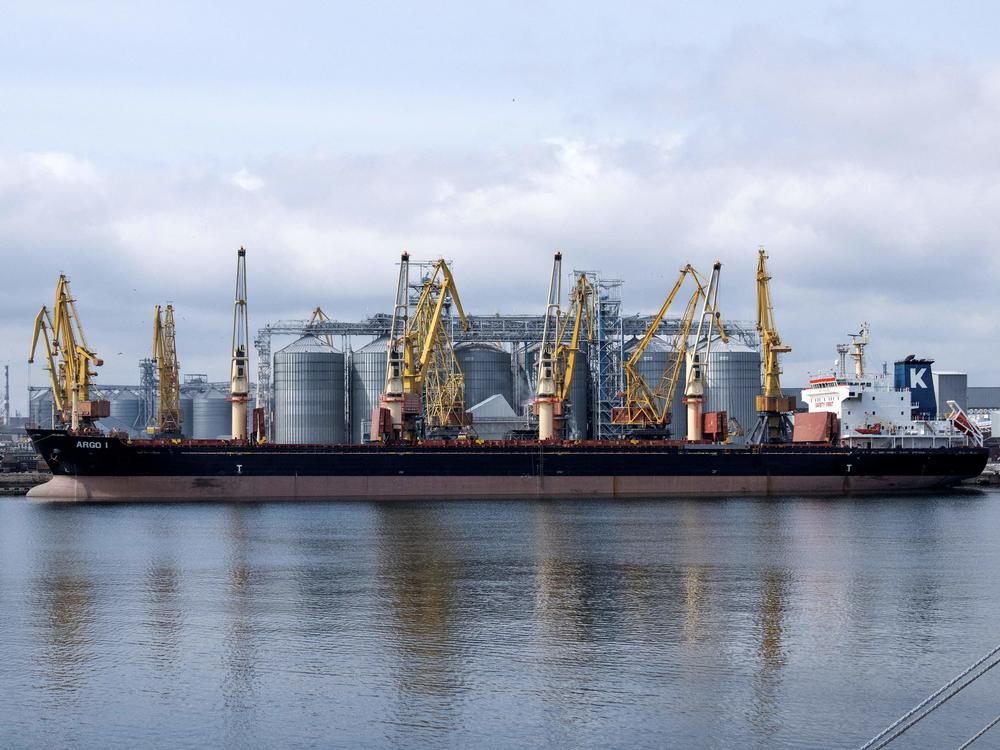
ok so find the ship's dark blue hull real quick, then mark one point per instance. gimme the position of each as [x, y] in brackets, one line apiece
[104, 468]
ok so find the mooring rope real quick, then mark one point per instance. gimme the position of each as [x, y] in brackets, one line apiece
[881, 737]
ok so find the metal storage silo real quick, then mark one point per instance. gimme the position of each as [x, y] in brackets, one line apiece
[40, 411]
[187, 416]
[487, 372]
[211, 415]
[368, 365]
[733, 383]
[308, 393]
[651, 367]
[125, 409]
[578, 421]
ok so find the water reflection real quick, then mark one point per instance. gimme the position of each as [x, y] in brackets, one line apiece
[64, 602]
[578, 625]
[240, 654]
[164, 617]
[418, 570]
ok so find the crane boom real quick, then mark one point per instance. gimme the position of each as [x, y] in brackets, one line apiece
[773, 424]
[319, 317]
[168, 413]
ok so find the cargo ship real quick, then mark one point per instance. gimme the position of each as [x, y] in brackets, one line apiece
[861, 434]
[101, 468]
[858, 436]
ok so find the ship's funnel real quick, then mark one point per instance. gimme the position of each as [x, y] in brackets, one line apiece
[915, 374]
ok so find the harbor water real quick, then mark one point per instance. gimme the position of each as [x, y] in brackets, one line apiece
[780, 623]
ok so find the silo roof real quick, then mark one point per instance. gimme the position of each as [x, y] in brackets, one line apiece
[307, 343]
[379, 344]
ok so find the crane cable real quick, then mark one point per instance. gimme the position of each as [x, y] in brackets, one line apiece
[881, 738]
[980, 733]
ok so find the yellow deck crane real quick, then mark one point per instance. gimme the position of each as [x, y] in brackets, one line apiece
[699, 355]
[561, 340]
[423, 376]
[168, 413]
[773, 424]
[68, 359]
[647, 408]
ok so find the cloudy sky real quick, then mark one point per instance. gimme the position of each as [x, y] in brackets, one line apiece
[142, 143]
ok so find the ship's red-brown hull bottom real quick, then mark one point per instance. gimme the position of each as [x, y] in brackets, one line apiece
[257, 489]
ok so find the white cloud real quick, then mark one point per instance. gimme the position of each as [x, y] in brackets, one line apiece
[873, 185]
[246, 180]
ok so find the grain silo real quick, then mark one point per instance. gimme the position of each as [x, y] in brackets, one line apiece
[212, 415]
[368, 365]
[187, 416]
[487, 372]
[308, 393]
[733, 383]
[126, 408]
[40, 408]
[578, 421]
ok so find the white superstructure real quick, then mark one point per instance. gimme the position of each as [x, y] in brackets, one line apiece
[873, 414]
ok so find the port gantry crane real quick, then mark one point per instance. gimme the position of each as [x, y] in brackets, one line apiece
[68, 359]
[557, 355]
[773, 424]
[239, 374]
[698, 356]
[423, 376]
[647, 409]
[168, 413]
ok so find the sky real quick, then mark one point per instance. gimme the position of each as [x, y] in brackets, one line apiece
[141, 144]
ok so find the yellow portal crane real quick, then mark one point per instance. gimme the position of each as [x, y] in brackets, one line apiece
[561, 339]
[773, 424]
[68, 360]
[579, 321]
[168, 414]
[423, 375]
[646, 407]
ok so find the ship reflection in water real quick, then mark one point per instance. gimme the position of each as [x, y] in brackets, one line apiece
[709, 624]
